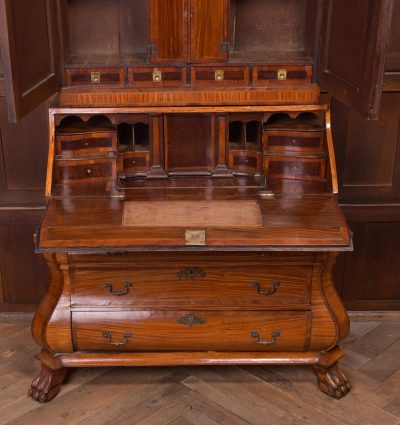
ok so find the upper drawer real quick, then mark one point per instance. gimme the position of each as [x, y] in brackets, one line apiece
[194, 287]
[190, 331]
[296, 141]
[157, 77]
[219, 76]
[96, 77]
[85, 144]
[85, 171]
[272, 74]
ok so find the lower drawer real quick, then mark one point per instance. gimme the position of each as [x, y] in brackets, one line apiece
[204, 287]
[191, 331]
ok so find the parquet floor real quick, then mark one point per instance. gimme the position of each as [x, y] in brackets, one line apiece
[206, 395]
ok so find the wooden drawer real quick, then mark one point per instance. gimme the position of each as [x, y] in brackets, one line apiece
[219, 76]
[96, 77]
[133, 163]
[195, 287]
[85, 171]
[157, 77]
[75, 145]
[296, 141]
[273, 74]
[297, 168]
[246, 162]
[190, 331]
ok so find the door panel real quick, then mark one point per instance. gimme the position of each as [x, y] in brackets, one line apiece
[28, 41]
[209, 30]
[168, 31]
[354, 40]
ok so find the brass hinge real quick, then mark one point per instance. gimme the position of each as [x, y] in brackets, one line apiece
[152, 49]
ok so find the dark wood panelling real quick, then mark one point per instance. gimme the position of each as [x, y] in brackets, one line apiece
[23, 273]
[25, 148]
[371, 272]
[393, 51]
[368, 152]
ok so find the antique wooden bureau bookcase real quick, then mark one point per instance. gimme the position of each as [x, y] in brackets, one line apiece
[192, 216]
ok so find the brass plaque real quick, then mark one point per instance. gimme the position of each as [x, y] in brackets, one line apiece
[195, 237]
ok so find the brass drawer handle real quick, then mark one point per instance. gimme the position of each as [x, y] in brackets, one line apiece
[191, 273]
[275, 336]
[191, 320]
[127, 285]
[157, 76]
[219, 75]
[282, 74]
[257, 286]
[127, 335]
[95, 77]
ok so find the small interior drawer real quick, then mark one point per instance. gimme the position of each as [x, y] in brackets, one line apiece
[220, 76]
[244, 161]
[133, 163]
[296, 141]
[96, 77]
[85, 144]
[157, 77]
[296, 168]
[272, 74]
[85, 171]
[190, 331]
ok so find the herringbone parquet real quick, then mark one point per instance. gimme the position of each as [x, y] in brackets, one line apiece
[206, 395]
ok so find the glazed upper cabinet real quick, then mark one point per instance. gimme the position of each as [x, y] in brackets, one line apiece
[100, 44]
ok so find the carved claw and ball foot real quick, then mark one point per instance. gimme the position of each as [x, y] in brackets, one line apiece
[47, 385]
[332, 381]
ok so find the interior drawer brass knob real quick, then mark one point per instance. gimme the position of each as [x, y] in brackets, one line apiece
[89, 171]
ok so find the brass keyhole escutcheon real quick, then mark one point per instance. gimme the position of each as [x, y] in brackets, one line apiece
[219, 75]
[282, 74]
[157, 76]
[95, 77]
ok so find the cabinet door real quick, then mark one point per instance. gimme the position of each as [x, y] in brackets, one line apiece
[354, 38]
[168, 31]
[27, 43]
[209, 30]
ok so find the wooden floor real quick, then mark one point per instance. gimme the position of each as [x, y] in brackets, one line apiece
[206, 395]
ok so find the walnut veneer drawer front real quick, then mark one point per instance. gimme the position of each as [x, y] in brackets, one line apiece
[295, 168]
[86, 144]
[133, 163]
[190, 331]
[246, 162]
[268, 75]
[256, 288]
[85, 171]
[156, 77]
[96, 77]
[295, 141]
[220, 76]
